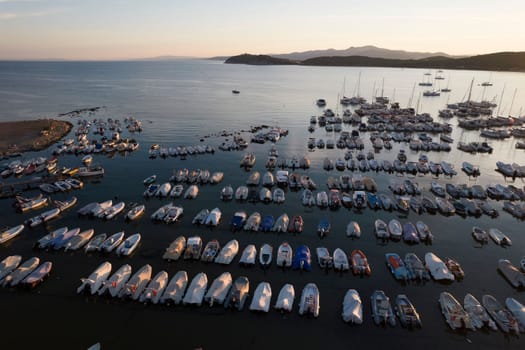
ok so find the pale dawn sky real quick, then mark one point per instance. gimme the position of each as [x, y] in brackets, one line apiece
[118, 29]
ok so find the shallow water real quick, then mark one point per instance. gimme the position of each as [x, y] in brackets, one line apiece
[179, 102]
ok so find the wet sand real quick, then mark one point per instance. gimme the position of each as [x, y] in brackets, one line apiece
[31, 135]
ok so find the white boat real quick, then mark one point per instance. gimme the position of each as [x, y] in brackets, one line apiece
[37, 275]
[64, 205]
[477, 313]
[501, 315]
[95, 242]
[129, 245]
[87, 209]
[285, 298]
[116, 282]
[176, 191]
[265, 255]
[254, 179]
[382, 309]
[155, 288]
[284, 255]
[9, 264]
[61, 240]
[33, 204]
[454, 313]
[395, 229]
[10, 233]
[43, 242]
[216, 177]
[227, 193]
[324, 259]
[78, 240]
[281, 224]
[352, 307]
[219, 289]
[111, 242]
[437, 268]
[241, 193]
[340, 260]
[112, 211]
[201, 216]
[278, 196]
[307, 198]
[511, 273]
[101, 207]
[96, 279]
[175, 249]
[265, 195]
[193, 248]
[518, 311]
[228, 252]
[424, 232]
[172, 214]
[353, 229]
[191, 192]
[164, 190]
[213, 217]
[499, 237]
[90, 171]
[196, 290]
[43, 217]
[135, 212]
[248, 256]
[381, 229]
[175, 289]
[136, 284]
[309, 303]
[253, 222]
[21, 272]
[268, 179]
[160, 213]
[261, 297]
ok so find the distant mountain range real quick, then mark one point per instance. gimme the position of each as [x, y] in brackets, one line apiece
[503, 61]
[368, 51]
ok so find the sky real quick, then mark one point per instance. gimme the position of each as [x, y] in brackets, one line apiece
[118, 29]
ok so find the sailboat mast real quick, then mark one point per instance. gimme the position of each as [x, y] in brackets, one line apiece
[470, 90]
[382, 87]
[500, 99]
[512, 103]
[358, 83]
[411, 96]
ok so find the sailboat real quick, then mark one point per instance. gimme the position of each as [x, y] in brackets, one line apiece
[382, 99]
[357, 100]
[488, 82]
[447, 89]
[345, 101]
[426, 81]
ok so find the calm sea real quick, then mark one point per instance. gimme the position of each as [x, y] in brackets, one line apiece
[180, 102]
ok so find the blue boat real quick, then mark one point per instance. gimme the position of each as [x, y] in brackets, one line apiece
[302, 259]
[267, 223]
[397, 266]
[373, 200]
[238, 220]
[410, 233]
[323, 228]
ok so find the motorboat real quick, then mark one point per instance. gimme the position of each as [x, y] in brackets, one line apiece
[296, 225]
[307, 198]
[175, 289]
[416, 268]
[265, 195]
[149, 180]
[151, 190]
[96, 278]
[95, 243]
[265, 255]
[480, 235]
[321, 199]
[437, 189]
[359, 263]
[278, 196]
[228, 252]
[61, 240]
[9, 264]
[210, 250]
[227, 193]
[163, 190]
[196, 289]
[518, 311]
[79, 240]
[437, 268]
[112, 242]
[191, 192]
[10, 233]
[219, 289]
[309, 303]
[268, 179]
[155, 288]
[116, 282]
[323, 228]
[324, 259]
[33, 204]
[503, 318]
[172, 214]
[396, 266]
[261, 297]
[410, 233]
[281, 224]
[135, 212]
[340, 260]
[395, 229]
[238, 220]
[353, 229]
[407, 313]
[253, 222]
[37, 275]
[101, 207]
[213, 217]
[302, 259]
[176, 191]
[352, 307]
[424, 232]
[381, 309]
[455, 268]
[285, 298]
[129, 245]
[43, 217]
[477, 313]
[19, 273]
[193, 248]
[65, 204]
[499, 237]
[112, 211]
[254, 179]
[175, 249]
[284, 255]
[201, 216]
[238, 293]
[267, 223]
[381, 229]
[45, 241]
[515, 277]
[248, 256]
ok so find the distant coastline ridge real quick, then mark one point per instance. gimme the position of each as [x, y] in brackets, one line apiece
[499, 61]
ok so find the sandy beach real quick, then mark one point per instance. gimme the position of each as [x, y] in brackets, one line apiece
[31, 135]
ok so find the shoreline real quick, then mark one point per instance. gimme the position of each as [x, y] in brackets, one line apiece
[31, 135]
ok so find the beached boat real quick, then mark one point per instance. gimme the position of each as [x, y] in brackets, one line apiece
[352, 307]
[96, 278]
[515, 277]
[406, 312]
[359, 263]
[381, 309]
[37, 275]
[129, 245]
[477, 313]
[238, 220]
[340, 260]
[284, 255]
[116, 281]
[396, 266]
[175, 289]
[137, 283]
[112, 242]
[191, 192]
[10, 233]
[437, 268]
[261, 297]
[416, 268]
[503, 318]
[176, 191]
[302, 259]
[309, 302]
[19, 273]
[213, 217]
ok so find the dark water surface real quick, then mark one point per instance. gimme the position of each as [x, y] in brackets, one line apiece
[181, 101]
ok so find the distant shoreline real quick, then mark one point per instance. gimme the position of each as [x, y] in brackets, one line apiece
[31, 135]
